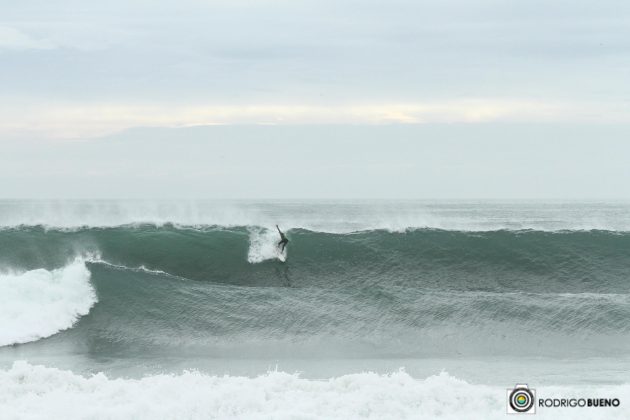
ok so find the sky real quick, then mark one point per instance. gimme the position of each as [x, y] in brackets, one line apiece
[314, 99]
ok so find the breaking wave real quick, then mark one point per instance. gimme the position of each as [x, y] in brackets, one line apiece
[39, 303]
[219, 291]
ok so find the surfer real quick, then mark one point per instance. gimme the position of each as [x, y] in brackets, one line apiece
[283, 239]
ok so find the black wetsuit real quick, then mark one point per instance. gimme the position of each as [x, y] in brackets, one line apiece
[283, 239]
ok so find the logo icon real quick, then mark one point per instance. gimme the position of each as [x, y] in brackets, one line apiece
[521, 399]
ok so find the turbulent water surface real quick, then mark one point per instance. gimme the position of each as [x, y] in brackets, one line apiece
[494, 293]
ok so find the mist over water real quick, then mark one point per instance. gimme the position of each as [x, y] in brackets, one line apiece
[324, 216]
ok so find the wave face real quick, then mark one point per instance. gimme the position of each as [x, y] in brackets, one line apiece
[221, 291]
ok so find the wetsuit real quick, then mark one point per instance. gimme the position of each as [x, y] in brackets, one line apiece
[283, 239]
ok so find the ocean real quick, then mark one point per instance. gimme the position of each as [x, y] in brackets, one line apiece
[381, 310]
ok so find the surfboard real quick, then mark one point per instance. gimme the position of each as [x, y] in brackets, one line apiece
[282, 255]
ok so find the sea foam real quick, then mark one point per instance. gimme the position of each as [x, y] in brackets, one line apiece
[38, 392]
[39, 303]
[263, 245]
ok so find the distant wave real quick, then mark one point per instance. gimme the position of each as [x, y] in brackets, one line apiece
[39, 303]
[38, 392]
[321, 216]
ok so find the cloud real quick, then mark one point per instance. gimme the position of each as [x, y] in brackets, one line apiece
[92, 120]
[14, 39]
[121, 64]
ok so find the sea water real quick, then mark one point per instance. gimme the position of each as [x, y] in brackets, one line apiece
[409, 309]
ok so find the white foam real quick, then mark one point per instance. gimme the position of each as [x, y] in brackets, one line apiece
[263, 245]
[38, 392]
[96, 259]
[40, 303]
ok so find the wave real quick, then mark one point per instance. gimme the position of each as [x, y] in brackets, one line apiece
[423, 293]
[156, 313]
[40, 303]
[499, 261]
[38, 392]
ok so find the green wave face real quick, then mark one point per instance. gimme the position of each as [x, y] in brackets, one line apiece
[500, 261]
[222, 291]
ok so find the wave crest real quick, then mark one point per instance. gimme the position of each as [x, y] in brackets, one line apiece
[39, 303]
[321, 216]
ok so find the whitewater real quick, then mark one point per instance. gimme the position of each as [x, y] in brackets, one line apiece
[171, 309]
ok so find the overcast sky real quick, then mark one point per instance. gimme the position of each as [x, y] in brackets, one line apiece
[377, 85]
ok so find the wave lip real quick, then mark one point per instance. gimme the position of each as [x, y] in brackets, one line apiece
[39, 303]
[322, 216]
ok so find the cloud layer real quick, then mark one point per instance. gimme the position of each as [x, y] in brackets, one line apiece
[77, 68]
